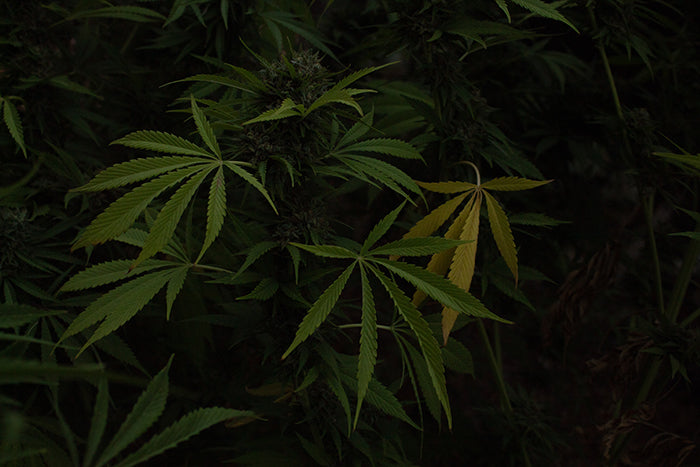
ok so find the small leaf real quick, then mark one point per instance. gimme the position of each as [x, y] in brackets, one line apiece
[513, 184]
[161, 142]
[339, 96]
[251, 180]
[320, 310]
[381, 228]
[502, 234]
[393, 147]
[265, 289]
[545, 10]
[286, 109]
[255, 252]
[14, 123]
[204, 128]
[177, 280]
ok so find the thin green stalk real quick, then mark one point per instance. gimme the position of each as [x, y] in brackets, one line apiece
[359, 325]
[648, 203]
[608, 70]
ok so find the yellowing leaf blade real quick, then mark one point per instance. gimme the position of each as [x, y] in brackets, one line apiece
[513, 184]
[500, 227]
[447, 187]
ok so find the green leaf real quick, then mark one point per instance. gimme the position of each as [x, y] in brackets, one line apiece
[534, 219]
[320, 310]
[162, 142]
[98, 422]
[504, 7]
[545, 10]
[381, 171]
[447, 187]
[14, 123]
[351, 78]
[693, 235]
[439, 289]
[513, 184]
[265, 289]
[14, 315]
[502, 234]
[188, 426]
[204, 128]
[147, 409]
[692, 160]
[393, 147]
[425, 382]
[216, 210]
[416, 246]
[131, 13]
[357, 131]
[368, 343]
[122, 213]
[381, 228]
[251, 180]
[255, 252]
[218, 79]
[286, 109]
[175, 284]
[117, 306]
[339, 96]
[435, 219]
[166, 222]
[136, 170]
[426, 340]
[106, 273]
[326, 251]
[457, 357]
[30, 371]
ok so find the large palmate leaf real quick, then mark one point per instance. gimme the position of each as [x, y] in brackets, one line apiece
[502, 234]
[368, 343]
[393, 147]
[161, 142]
[204, 128]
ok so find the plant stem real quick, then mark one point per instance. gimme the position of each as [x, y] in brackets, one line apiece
[496, 368]
[359, 325]
[648, 203]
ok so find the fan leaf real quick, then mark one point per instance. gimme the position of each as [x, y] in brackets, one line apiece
[502, 234]
[160, 141]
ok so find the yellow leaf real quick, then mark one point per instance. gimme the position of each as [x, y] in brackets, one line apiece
[439, 262]
[463, 263]
[434, 220]
[500, 227]
[513, 184]
[447, 187]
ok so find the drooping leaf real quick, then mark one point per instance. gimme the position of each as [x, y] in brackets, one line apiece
[381, 228]
[14, 123]
[216, 210]
[122, 213]
[513, 184]
[393, 147]
[502, 234]
[428, 344]
[117, 306]
[463, 263]
[416, 246]
[147, 409]
[320, 309]
[164, 226]
[160, 141]
[204, 128]
[368, 343]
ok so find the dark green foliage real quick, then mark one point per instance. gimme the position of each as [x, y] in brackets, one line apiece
[199, 232]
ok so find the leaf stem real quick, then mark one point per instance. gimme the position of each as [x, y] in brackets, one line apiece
[648, 203]
[359, 325]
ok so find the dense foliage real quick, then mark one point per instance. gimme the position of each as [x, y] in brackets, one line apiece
[278, 232]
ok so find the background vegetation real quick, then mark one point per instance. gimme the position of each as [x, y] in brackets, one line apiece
[227, 233]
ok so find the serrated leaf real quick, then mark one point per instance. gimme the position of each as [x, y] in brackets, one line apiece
[368, 343]
[336, 386]
[218, 79]
[463, 263]
[131, 13]
[513, 184]
[391, 176]
[428, 344]
[98, 421]
[204, 128]
[160, 141]
[393, 147]
[447, 187]
[14, 123]
[166, 222]
[122, 213]
[286, 109]
[351, 78]
[265, 289]
[504, 7]
[326, 251]
[439, 289]
[320, 309]
[216, 210]
[545, 10]
[106, 273]
[435, 219]
[424, 382]
[251, 180]
[147, 409]
[535, 219]
[381, 228]
[357, 131]
[339, 96]
[692, 160]
[14, 315]
[136, 170]
[117, 306]
[457, 357]
[177, 280]
[255, 252]
[502, 234]
[416, 246]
